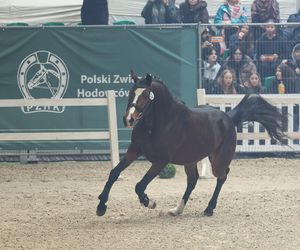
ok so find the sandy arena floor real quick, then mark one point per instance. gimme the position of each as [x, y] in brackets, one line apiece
[52, 206]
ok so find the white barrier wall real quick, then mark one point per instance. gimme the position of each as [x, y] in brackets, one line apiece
[256, 140]
[111, 134]
[251, 138]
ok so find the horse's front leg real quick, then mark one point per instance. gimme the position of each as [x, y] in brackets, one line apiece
[141, 186]
[129, 157]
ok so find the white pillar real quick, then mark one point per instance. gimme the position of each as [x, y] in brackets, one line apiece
[205, 163]
[113, 128]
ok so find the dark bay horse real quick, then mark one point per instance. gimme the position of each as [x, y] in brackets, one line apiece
[166, 131]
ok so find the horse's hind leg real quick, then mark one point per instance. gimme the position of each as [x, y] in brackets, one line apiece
[213, 201]
[129, 157]
[192, 178]
[141, 186]
[220, 162]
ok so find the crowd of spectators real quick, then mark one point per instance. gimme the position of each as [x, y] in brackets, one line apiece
[262, 58]
[249, 58]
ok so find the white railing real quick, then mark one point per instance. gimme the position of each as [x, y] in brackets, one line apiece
[258, 141]
[111, 134]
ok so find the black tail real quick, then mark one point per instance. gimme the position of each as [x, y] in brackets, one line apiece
[255, 108]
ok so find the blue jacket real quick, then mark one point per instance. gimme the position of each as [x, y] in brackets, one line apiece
[224, 9]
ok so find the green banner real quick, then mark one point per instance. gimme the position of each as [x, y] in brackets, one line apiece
[85, 62]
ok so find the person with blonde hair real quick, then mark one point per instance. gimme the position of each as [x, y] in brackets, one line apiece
[253, 85]
[226, 83]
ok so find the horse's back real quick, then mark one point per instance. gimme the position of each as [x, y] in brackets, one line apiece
[210, 115]
[217, 122]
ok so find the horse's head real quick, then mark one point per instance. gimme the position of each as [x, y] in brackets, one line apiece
[140, 100]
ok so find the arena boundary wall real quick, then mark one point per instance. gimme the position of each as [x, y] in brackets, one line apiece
[111, 134]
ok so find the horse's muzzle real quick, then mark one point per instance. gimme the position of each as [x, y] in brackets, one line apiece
[128, 121]
[132, 119]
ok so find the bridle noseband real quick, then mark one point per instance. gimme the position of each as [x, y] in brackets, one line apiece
[143, 112]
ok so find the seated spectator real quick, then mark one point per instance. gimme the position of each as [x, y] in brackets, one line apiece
[94, 12]
[261, 12]
[241, 64]
[194, 11]
[206, 41]
[243, 39]
[292, 33]
[232, 12]
[253, 85]
[294, 62]
[286, 80]
[160, 11]
[210, 70]
[226, 83]
[270, 50]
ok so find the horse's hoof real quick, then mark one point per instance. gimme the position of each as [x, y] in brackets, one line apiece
[152, 204]
[175, 211]
[101, 210]
[208, 212]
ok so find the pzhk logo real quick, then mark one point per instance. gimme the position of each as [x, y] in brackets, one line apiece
[43, 74]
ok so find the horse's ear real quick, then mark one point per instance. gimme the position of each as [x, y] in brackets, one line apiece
[148, 79]
[134, 76]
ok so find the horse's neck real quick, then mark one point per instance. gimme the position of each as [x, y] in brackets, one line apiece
[166, 108]
[168, 114]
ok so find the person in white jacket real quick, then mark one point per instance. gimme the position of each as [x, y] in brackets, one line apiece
[211, 69]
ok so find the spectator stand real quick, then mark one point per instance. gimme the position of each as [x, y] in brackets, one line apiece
[224, 52]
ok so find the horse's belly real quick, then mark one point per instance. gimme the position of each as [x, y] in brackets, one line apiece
[184, 156]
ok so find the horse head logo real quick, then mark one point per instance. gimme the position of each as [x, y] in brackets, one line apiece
[43, 74]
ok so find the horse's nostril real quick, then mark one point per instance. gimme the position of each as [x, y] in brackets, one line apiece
[131, 121]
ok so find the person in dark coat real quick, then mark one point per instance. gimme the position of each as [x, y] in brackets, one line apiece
[270, 50]
[261, 12]
[292, 33]
[207, 42]
[194, 11]
[160, 12]
[242, 38]
[94, 12]
[241, 64]
[294, 61]
[287, 76]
